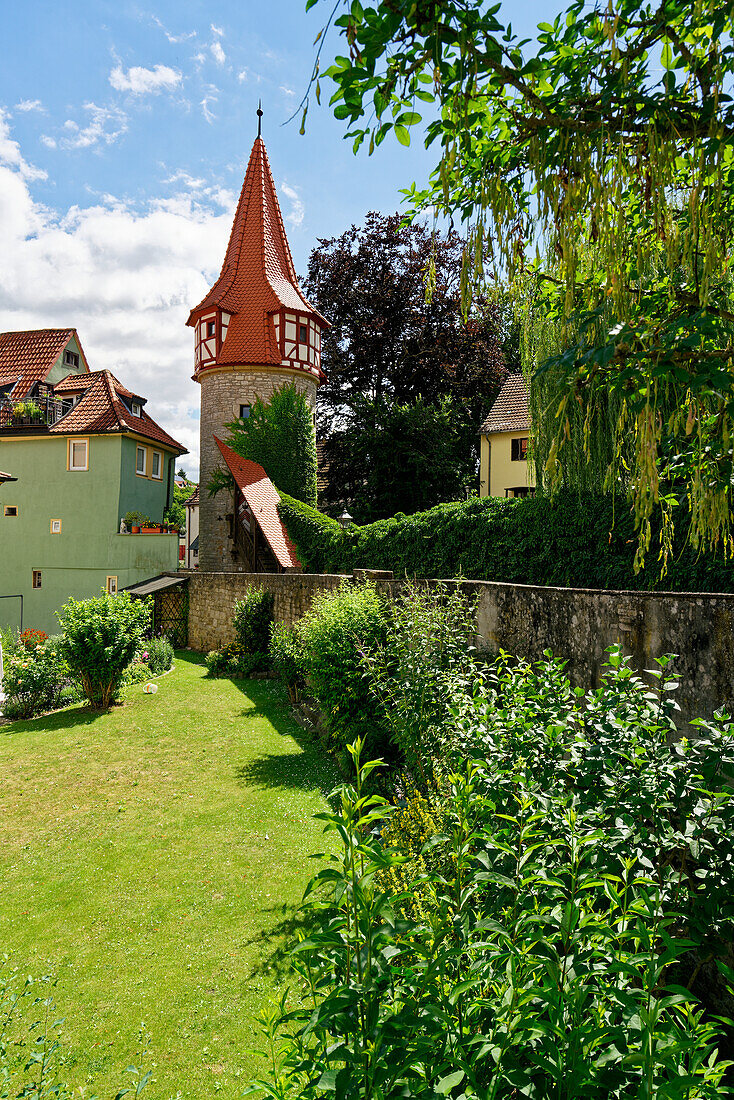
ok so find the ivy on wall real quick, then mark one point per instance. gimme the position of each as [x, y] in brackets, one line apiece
[579, 540]
[280, 437]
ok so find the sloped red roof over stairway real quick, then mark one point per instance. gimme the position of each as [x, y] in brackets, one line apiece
[262, 499]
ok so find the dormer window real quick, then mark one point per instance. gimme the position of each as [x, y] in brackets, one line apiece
[71, 359]
[136, 409]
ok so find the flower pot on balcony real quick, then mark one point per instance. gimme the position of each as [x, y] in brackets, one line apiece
[135, 530]
[152, 530]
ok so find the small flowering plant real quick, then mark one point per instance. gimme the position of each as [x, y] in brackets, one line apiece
[33, 679]
[32, 639]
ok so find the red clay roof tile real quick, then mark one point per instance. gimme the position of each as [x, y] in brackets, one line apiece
[510, 410]
[100, 409]
[26, 357]
[257, 276]
[262, 499]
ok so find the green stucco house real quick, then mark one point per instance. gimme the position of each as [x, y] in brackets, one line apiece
[83, 452]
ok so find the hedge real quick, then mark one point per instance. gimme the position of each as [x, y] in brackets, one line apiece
[576, 540]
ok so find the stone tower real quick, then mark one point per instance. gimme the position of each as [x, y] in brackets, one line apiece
[253, 331]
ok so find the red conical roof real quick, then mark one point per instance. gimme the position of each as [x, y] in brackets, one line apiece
[258, 276]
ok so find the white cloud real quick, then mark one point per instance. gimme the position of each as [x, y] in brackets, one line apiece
[211, 97]
[48, 141]
[218, 53]
[217, 31]
[11, 156]
[125, 277]
[105, 126]
[194, 183]
[286, 90]
[297, 211]
[29, 105]
[242, 76]
[174, 38]
[141, 81]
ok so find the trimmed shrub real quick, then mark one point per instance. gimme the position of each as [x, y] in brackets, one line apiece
[289, 659]
[34, 678]
[319, 539]
[338, 630]
[580, 540]
[100, 637]
[252, 619]
[160, 655]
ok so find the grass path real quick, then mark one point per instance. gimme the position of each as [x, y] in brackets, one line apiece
[152, 859]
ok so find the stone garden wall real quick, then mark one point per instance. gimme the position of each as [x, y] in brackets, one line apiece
[576, 624]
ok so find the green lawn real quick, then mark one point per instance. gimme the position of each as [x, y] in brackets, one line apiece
[152, 858]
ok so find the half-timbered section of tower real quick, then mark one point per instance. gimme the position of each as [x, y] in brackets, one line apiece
[253, 331]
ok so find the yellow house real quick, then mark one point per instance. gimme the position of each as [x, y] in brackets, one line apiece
[504, 470]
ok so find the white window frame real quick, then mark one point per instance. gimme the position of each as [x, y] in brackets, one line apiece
[144, 471]
[75, 443]
[136, 408]
[55, 526]
[158, 476]
[111, 586]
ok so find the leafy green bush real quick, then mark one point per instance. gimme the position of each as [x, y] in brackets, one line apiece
[160, 655]
[580, 540]
[234, 663]
[136, 673]
[252, 619]
[100, 637]
[33, 679]
[565, 943]
[424, 665]
[339, 628]
[288, 658]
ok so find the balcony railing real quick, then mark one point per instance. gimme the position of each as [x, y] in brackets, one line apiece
[33, 412]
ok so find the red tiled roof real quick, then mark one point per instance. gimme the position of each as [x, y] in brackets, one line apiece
[193, 500]
[100, 409]
[257, 276]
[262, 499]
[510, 411]
[28, 356]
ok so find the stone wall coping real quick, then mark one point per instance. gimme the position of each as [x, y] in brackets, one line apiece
[635, 592]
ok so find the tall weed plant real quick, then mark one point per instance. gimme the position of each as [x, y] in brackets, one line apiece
[580, 918]
[425, 664]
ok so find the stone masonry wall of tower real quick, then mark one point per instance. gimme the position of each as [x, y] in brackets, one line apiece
[222, 392]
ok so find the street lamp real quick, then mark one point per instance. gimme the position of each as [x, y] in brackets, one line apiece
[345, 519]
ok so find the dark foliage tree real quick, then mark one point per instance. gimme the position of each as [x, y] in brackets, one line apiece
[395, 457]
[389, 346]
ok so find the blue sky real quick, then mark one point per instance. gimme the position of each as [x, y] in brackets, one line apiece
[124, 133]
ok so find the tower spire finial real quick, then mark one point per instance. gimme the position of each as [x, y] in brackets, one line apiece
[259, 116]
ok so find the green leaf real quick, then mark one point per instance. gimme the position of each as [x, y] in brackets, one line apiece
[446, 1084]
[402, 134]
